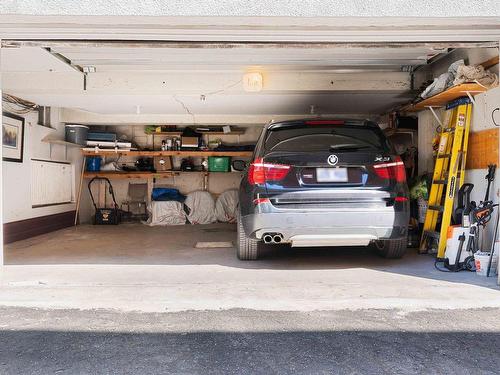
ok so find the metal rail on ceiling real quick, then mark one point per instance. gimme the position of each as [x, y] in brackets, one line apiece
[16, 43]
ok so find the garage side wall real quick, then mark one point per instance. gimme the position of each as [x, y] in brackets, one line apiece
[482, 122]
[18, 213]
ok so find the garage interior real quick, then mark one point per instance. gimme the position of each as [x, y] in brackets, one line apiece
[139, 90]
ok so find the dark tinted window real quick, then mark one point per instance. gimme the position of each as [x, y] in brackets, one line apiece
[311, 138]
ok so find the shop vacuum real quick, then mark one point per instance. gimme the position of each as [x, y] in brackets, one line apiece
[105, 215]
[469, 218]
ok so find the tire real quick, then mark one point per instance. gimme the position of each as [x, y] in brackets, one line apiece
[391, 249]
[246, 248]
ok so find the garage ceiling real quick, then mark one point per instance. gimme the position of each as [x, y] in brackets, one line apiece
[192, 67]
[173, 81]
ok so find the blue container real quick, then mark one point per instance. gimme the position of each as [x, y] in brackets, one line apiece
[93, 164]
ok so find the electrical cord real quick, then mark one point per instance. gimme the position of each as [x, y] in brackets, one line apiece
[440, 269]
[468, 265]
[493, 116]
[17, 105]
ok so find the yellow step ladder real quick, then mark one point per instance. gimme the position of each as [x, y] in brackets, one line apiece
[449, 175]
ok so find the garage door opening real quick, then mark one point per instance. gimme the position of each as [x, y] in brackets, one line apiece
[161, 121]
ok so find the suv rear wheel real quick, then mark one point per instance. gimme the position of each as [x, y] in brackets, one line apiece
[246, 248]
[391, 249]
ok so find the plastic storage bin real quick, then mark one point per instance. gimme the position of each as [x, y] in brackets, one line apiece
[94, 164]
[76, 134]
[218, 163]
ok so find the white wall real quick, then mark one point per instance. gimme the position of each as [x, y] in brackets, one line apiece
[16, 177]
[427, 125]
[481, 120]
[218, 8]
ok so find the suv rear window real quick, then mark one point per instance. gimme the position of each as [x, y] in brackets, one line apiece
[311, 138]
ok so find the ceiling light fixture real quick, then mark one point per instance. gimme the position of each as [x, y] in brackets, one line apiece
[138, 109]
[252, 82]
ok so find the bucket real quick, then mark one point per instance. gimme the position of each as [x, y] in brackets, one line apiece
[422, 209]
[94, 164]
[481, 260]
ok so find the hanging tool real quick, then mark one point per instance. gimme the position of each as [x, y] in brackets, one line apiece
[449, 174]
[464, 205]
[490, 177]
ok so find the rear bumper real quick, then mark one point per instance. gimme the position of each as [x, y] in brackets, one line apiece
[335, 227]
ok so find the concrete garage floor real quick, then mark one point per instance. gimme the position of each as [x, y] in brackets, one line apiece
[155, 269]
[134, 299]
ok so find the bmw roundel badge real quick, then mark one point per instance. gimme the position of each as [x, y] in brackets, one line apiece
[333, 159]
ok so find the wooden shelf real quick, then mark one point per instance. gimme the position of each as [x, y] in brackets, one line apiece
[61, 142]
[178, 134]
[232, 132]
[166, 134]
[125, 175]
[167, 153]
[445, 97]
[143, 175]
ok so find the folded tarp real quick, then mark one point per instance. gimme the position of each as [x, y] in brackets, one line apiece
[200, 207]
[226, 206]
[166, 213]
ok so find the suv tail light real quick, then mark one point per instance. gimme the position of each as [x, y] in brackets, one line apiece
[260, 172]
[394, 170]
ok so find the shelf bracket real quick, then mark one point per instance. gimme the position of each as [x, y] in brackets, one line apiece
[469, 94]
[431, 108]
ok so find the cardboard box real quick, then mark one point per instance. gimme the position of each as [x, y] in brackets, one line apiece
[189, 142]
[163, 163]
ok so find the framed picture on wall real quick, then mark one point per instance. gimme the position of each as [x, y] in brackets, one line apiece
[12, 137]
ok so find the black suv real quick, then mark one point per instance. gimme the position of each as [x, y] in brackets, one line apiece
[323, 183]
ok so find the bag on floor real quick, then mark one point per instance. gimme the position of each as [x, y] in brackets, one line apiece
[226, 206]
[200, 208]
[166, 213]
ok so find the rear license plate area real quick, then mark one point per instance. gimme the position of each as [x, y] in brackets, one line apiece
[331, 175]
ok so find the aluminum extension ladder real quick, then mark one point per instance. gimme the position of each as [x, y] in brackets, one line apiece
[449, 175]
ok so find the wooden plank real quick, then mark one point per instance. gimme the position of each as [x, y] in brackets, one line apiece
[214, 245]
[483, 149]
[232, 132]
[447, 96]
[150, 190]
[168, 153]
[128, 175]
[490, 62]
[80, 186]
[166, 134]
[145, 175]
[178, 134]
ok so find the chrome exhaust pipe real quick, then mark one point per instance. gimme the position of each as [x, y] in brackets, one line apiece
[267, 238]
[277, 238]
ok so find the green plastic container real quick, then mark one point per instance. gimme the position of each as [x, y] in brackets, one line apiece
[218, 163]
